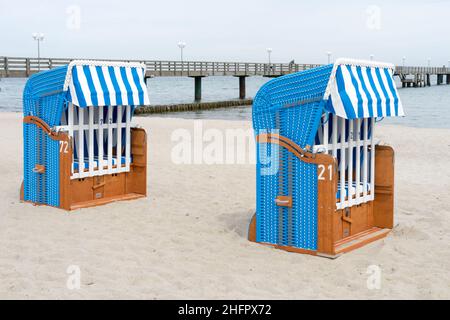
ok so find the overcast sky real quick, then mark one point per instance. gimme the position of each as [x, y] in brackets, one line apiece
[232, 30]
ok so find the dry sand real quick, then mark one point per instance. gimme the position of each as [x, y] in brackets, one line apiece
[188, 238]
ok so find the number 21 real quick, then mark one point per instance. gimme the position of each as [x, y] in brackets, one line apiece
[322, 170]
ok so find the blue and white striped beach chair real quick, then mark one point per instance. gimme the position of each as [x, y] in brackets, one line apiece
[80, 147]
[323, 185]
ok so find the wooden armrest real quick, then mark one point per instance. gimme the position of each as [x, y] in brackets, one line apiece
[45, 127]
[303, 154]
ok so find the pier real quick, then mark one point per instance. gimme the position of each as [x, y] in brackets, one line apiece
[421, 76]
[410, 76]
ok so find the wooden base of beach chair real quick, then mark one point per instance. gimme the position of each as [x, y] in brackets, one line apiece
[344, 245]
[101, 189]
[341, 231]
[99, 202]
[360, 239]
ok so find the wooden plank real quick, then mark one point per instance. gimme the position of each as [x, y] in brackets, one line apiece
[136, 181]
[65, 171]
[383, 211]
[326, 205]
[102, 201]
[358, 242]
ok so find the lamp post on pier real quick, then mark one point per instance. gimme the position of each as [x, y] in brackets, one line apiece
[371, 57]
[38, 37]
[181, 45]
[269, 53]
[429, 62]
[329, 56]
[403, 61]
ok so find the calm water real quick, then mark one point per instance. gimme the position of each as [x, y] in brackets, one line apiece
[166, 90]
[424, 107]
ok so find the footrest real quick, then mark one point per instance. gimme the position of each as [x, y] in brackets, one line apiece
[360, 239]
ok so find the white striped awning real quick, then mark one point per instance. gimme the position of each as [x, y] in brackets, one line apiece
[101, 83]
[363, 89]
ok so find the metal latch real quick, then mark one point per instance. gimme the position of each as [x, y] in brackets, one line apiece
[284, 201]
[39, 168]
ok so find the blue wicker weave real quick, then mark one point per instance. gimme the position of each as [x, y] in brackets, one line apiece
[292, 106]
[43, 97]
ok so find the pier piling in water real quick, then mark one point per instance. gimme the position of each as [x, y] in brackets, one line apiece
[448, 79]
[198, 87]
[242, 90]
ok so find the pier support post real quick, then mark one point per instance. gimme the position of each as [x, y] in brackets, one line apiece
[448, 79]
[440, 77]
[242, 86]
[428, 80]
[27, 67]
[198, 87]
[6, 66]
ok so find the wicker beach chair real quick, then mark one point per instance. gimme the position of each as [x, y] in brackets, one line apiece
[323, 186]
[80, 147]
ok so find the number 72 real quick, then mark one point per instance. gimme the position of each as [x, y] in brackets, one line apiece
[63, 147]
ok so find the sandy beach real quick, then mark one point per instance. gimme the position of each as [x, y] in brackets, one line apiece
[188, 238]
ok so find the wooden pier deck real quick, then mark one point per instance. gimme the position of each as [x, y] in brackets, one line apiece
[19, 67]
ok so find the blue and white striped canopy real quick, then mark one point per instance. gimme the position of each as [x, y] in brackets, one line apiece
[98, 83]
[362, 89]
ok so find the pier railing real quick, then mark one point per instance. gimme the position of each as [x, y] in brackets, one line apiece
[203, 68]
[24, 67]
[421, 70]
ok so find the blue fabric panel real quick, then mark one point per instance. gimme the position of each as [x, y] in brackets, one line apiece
[43, 97]
[112, 75]
[292, 106]
[386, 109]
[391, 85]
[358, 94]
[344, 95]
[90, 82]
[105, 90]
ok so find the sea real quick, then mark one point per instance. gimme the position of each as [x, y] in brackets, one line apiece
[427, 107]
